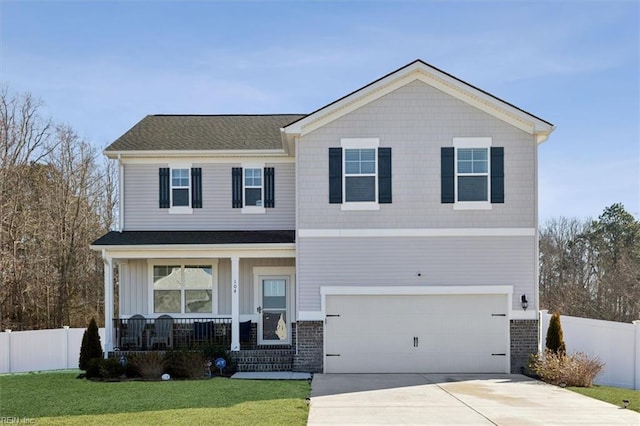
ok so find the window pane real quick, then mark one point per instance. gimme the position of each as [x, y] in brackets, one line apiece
[465, 154]
[253, 196]
[480, 166]
[465, 167]
[352, 168]
[368, 167]
[198, 301]
[180, 197]
[479, 153]
[274, 294]
[352, 155]
[166, 277]
[166, 301]
[368, 154]
[472, 188]
[360, 188]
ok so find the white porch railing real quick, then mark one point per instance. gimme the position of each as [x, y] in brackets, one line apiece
[37, 350]
[616, 344]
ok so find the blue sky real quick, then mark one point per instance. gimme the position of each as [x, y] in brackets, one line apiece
[102, 66]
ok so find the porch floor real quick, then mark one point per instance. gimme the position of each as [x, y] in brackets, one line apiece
[271, 375]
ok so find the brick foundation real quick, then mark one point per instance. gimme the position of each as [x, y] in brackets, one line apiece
[524, 342]
[309, 348]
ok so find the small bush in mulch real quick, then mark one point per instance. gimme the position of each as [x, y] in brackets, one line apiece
[150, 365]
[185, 364]
[566, 370]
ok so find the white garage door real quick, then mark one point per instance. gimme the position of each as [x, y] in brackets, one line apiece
[416, 333]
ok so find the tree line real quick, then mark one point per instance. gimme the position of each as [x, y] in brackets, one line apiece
[58, 194]
[591, 268]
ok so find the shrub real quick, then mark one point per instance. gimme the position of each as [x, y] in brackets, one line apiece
[91, 347]
[110, 368]
[566, 370]
[555, 338]
[185, 364]
[150, 365]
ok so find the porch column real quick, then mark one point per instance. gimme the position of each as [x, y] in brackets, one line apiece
[108, 304]
[235, 304]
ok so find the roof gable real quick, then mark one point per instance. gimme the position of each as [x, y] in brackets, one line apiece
[419, 70]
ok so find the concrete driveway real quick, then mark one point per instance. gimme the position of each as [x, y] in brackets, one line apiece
[454, 399]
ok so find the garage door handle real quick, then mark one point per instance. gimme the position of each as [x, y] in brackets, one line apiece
[415, 342]
[498, 354]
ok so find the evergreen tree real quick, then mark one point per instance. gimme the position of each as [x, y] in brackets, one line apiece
[91, 347]
[555, 339]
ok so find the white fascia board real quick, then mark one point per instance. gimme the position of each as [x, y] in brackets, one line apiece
[434, 78]
[417, 232]
[211, 160]
[413, 290]
[198, 251]
[198, 153]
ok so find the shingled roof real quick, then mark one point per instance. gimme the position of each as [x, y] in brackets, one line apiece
[144, 238]
[204, 132]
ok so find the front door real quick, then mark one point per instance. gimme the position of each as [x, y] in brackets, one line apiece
[274, 326]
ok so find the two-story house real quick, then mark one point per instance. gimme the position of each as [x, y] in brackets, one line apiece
[393, 230]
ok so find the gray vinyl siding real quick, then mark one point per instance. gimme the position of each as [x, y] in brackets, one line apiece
[134, 288]
[135, 284]
[441, 261]
[416, 121]
[141, 211]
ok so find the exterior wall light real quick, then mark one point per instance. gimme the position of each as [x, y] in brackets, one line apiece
[524, 302]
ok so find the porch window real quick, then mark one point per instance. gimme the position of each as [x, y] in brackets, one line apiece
[181, 289]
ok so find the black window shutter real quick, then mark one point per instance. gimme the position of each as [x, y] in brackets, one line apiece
[384, 175]
[447, 171]
[269, 187]
[335, 175]
[497, 175]
[236, 187]
[196, 188]
[164, 188]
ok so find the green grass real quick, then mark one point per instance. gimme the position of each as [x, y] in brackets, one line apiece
[60, 398]
[612, 395]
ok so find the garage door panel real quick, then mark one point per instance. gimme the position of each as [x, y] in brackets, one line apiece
[454, 333]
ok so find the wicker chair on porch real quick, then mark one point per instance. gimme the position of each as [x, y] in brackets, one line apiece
[162, 333]
[132, 334]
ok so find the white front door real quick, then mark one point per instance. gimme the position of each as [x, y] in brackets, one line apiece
[274, 325]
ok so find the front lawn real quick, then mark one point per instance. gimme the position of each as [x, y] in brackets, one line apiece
[60, 398]
[612, 395]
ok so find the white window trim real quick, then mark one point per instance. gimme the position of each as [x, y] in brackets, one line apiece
[472, 142]
[288, 272]
[359, 143]
[252, 209]
[182, 263]
[179, 209]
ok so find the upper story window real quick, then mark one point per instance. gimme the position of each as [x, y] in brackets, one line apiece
[472, 173]
[360, 174]
[180, 188]
[183, 289]
[253, 187]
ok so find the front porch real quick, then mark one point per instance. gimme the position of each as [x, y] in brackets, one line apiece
[233, 290]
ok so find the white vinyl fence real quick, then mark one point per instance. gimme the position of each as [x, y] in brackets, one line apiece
[37, 350]
[616, 344]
